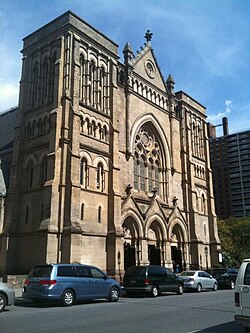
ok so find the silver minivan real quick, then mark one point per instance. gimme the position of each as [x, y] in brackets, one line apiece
[242, 295]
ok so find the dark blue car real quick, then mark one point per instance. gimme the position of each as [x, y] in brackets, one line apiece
[69, 283]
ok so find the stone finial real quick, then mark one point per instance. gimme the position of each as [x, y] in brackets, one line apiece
[148, 36]
[175, 199]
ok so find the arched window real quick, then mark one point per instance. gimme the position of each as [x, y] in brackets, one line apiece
[82, 212]
[99, 217]
[100, 177]
[149, 162]
[84, 172]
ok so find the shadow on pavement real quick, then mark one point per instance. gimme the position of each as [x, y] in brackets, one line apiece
[231, 327]
[22, 302]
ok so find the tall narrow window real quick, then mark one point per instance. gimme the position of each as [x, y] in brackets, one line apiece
[84, 172]
[34, 83]
[99, 214]
[203, 200]
[29, 175]
[45, 83]
[52, 78]
[27, 215]
[82, 211]
[142, 175]
[100, 177]
[136, 173]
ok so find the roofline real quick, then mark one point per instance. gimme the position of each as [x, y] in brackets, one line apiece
[69, 12]
[183, 92]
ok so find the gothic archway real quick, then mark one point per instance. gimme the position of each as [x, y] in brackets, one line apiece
[178, 250]
[131, 242]
[156, 248]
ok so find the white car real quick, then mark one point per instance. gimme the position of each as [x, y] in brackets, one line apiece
[7, 296]
[198, 280]
[242, 295]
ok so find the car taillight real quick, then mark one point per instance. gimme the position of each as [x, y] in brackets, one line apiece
[191, 279]
[237, 299]
[47, 282]
[26, 282]
[146, 281]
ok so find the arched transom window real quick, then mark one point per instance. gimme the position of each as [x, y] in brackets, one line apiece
[149, 165]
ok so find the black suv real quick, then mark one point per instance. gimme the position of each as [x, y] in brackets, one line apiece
[151, 280]
[226, 277]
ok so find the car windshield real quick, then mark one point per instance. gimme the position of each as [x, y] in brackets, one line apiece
[41, 271]
[138, 271]
[187, 274]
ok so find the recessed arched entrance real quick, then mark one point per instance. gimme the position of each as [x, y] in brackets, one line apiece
[155, 252]
[131, 245]
[178, 249]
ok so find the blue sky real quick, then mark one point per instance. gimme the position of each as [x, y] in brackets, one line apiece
[204, 44]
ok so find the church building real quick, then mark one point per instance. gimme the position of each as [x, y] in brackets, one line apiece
[110, 165]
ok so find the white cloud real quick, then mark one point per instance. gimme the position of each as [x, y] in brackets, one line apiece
[228, 109]
[8, 95]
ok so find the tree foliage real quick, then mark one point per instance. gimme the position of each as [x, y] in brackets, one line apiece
[234, 234]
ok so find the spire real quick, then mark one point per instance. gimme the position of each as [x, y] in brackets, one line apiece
[128, 53]
[148, 36]
[170, 84]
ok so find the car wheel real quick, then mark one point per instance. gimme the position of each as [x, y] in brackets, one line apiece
[3, 302]
[232, 285]
[154, 291]
[180, 290]
[199, 287]
[215, 287]
[114, 295]
[68, 297]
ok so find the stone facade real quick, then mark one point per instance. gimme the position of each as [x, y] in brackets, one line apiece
[110, 166]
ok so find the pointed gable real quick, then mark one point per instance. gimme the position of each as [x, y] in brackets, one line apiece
[146, 66]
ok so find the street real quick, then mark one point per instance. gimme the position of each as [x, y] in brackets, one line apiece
[206, 312]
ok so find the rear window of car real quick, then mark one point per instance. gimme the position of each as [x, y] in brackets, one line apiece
[41, 271]
[156, 271]
[187, 273]
[136, 271]
[247, 275]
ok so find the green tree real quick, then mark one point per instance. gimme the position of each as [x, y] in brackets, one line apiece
[234, 234]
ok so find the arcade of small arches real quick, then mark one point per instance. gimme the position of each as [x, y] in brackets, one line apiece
[94, 127]
[155, 242]
[37, 127]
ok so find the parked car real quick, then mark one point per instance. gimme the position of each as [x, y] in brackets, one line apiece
[69, 283]
[226, 277]
[151, 280]
[198, 280]
[7, 296]
[242, 295]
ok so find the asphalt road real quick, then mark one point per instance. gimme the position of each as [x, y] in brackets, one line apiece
[206, 312]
